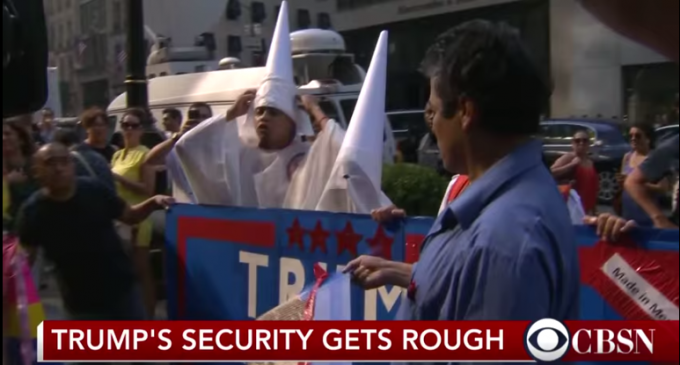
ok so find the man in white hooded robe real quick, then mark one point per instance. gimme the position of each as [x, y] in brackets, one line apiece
[257, 155]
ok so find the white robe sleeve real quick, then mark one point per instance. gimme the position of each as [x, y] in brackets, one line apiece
[312, 176]
[210, 157]
[575, 207]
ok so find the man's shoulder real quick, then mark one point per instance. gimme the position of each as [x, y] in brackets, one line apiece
[531, 209]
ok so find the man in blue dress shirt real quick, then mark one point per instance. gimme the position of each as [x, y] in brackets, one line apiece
[505, 248]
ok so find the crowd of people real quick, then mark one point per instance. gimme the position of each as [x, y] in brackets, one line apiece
[85, 205]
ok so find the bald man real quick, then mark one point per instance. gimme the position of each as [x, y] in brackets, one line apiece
[72, 220]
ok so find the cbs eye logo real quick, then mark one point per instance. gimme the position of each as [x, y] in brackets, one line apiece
[547, 340]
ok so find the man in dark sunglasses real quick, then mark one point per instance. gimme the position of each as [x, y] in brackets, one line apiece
[164, 155]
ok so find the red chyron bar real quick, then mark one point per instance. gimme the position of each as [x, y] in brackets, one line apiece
[389, 341]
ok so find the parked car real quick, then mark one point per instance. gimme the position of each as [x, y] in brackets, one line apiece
[408, 128]
[607, 151]
[666, 132]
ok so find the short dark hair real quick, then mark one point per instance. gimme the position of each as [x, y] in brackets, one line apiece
[199, 105]
[489, 64]
[67, 137]
[90, 116]
[173, 113]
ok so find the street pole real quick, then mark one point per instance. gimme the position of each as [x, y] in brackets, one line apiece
[135, 80]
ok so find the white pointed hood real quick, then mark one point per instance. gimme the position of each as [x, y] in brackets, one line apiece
[365, 134]
[357, 172]
[278, 89]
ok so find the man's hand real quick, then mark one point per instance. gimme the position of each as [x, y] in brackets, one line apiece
[609, 227]
[309, 103]
[316, 114]
[663, 222]
[241, 106]
[163, 201]
[388, 214]
[373, 272]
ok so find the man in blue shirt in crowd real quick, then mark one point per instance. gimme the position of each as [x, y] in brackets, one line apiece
[505, 249]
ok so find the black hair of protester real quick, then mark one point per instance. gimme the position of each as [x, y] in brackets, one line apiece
[489, 64]
[173, 113]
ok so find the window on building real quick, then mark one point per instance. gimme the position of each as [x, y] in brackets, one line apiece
[69, 32]
[52, 37]
[62, 36]
[258, 12]
[234, 46]
[117, 16]
[303, 19]
[233, 9]
[323, 21]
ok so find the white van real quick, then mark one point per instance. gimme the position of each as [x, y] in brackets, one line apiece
[320, 65]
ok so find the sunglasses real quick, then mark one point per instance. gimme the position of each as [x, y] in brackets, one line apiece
[128, 125]
[581, 140]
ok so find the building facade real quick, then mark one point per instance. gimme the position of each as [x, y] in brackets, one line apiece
[595, 71]
[86, 44]
[87, 38]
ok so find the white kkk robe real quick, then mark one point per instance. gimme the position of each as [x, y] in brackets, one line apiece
[223, 169]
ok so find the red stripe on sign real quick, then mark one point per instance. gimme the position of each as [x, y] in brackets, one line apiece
[413, 244]
[634, 281]
[259, 234]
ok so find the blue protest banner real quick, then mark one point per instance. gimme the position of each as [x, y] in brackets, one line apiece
[237, 263]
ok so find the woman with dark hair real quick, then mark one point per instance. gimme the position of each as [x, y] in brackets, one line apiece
[642, 141]
[17, 150]
[135, 183]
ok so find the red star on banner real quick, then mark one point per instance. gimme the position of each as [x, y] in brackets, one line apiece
[348, 240]
[319, 237]
[296, 235]
[381, 243]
